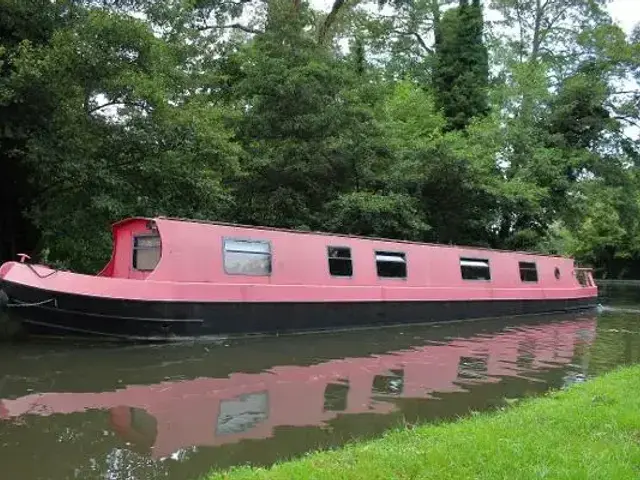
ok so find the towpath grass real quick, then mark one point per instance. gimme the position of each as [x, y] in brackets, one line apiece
[590, 431]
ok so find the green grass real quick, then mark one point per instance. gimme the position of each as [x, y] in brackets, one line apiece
[590, 431]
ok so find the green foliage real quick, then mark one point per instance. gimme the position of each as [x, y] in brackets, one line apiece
[87, 166]
[578, 112]
[604, 228]
[462, 67]
[550, 32]
[308, 133]
[379, 215]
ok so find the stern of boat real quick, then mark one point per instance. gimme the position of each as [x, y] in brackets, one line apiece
[584, 277]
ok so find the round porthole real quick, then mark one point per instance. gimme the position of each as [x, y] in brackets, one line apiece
[557, 273]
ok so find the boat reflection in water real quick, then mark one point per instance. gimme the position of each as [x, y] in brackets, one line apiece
[167, 417]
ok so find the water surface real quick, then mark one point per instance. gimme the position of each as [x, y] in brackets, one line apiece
[177, 411]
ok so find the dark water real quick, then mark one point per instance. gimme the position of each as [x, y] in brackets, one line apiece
[177, 411]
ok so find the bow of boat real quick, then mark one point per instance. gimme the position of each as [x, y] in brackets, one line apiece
[56, 303]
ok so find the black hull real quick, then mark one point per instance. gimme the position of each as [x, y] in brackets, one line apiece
[64, 315]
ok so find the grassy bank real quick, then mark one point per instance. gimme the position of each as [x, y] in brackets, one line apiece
[590, 431]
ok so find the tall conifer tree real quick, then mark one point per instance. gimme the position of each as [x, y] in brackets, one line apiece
[462, 66]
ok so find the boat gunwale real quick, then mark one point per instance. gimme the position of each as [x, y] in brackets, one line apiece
[93, 295]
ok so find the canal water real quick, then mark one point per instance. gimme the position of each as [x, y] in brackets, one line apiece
[178, 411]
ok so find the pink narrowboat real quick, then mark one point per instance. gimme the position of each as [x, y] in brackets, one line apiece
[172, 279]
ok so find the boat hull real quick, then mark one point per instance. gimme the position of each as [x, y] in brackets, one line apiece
[44, 312]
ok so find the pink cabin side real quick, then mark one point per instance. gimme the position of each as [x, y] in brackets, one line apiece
[194, 252]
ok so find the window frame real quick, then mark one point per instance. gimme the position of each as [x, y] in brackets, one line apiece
[329, 258]
[583, 278]
[134, 249]
[534, 269]
[392, 253]
[248, 240]
[473, 259]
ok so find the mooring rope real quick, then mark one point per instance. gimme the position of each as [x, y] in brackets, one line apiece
[38, 274]
[34, 304]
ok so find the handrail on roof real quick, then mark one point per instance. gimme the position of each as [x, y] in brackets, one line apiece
[343, 235]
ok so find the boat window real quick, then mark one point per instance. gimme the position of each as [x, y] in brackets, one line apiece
[340, 261]
[528, 272]
[475, 269]
[556, 273]
[391, 264]
[247, 257]
[146, 252]
[583, 278]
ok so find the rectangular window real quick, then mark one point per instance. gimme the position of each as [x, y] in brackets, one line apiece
[583, 278]
[528, 272]
[391, 264]
[475, 269]
[340, 261]
[247, 257]
[146, 252]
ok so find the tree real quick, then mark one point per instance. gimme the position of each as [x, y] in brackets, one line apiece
[539, 30]
[119, 139]
[22, 25]
[308, 134]
[384, 215]
[461, 70]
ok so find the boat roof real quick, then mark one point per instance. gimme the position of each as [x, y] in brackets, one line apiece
[329, 234]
